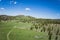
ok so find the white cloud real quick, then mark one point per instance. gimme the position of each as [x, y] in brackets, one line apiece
[15, 2]
[27, 9]
[2, 8]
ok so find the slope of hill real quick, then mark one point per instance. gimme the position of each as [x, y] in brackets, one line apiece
[28, 19]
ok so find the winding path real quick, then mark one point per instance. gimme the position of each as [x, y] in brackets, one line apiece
[10, 32]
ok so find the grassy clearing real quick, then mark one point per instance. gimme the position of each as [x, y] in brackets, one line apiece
[5, 27]
[19, 34]
[23, 34]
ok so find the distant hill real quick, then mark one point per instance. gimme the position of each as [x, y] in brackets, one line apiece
[28, 19]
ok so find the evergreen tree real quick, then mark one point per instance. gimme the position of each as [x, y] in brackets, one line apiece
[57, 33]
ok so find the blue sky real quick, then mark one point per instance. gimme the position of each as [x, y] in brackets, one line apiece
[35, 8]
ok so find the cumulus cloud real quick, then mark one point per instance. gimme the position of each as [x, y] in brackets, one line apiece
[27, 9]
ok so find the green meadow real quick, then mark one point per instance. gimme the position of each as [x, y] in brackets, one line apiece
[20, 32]
[29, 29]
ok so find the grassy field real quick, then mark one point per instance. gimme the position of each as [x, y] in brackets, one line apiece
[22, 34]
[12, 30]
[17, 33]
[5, 27]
